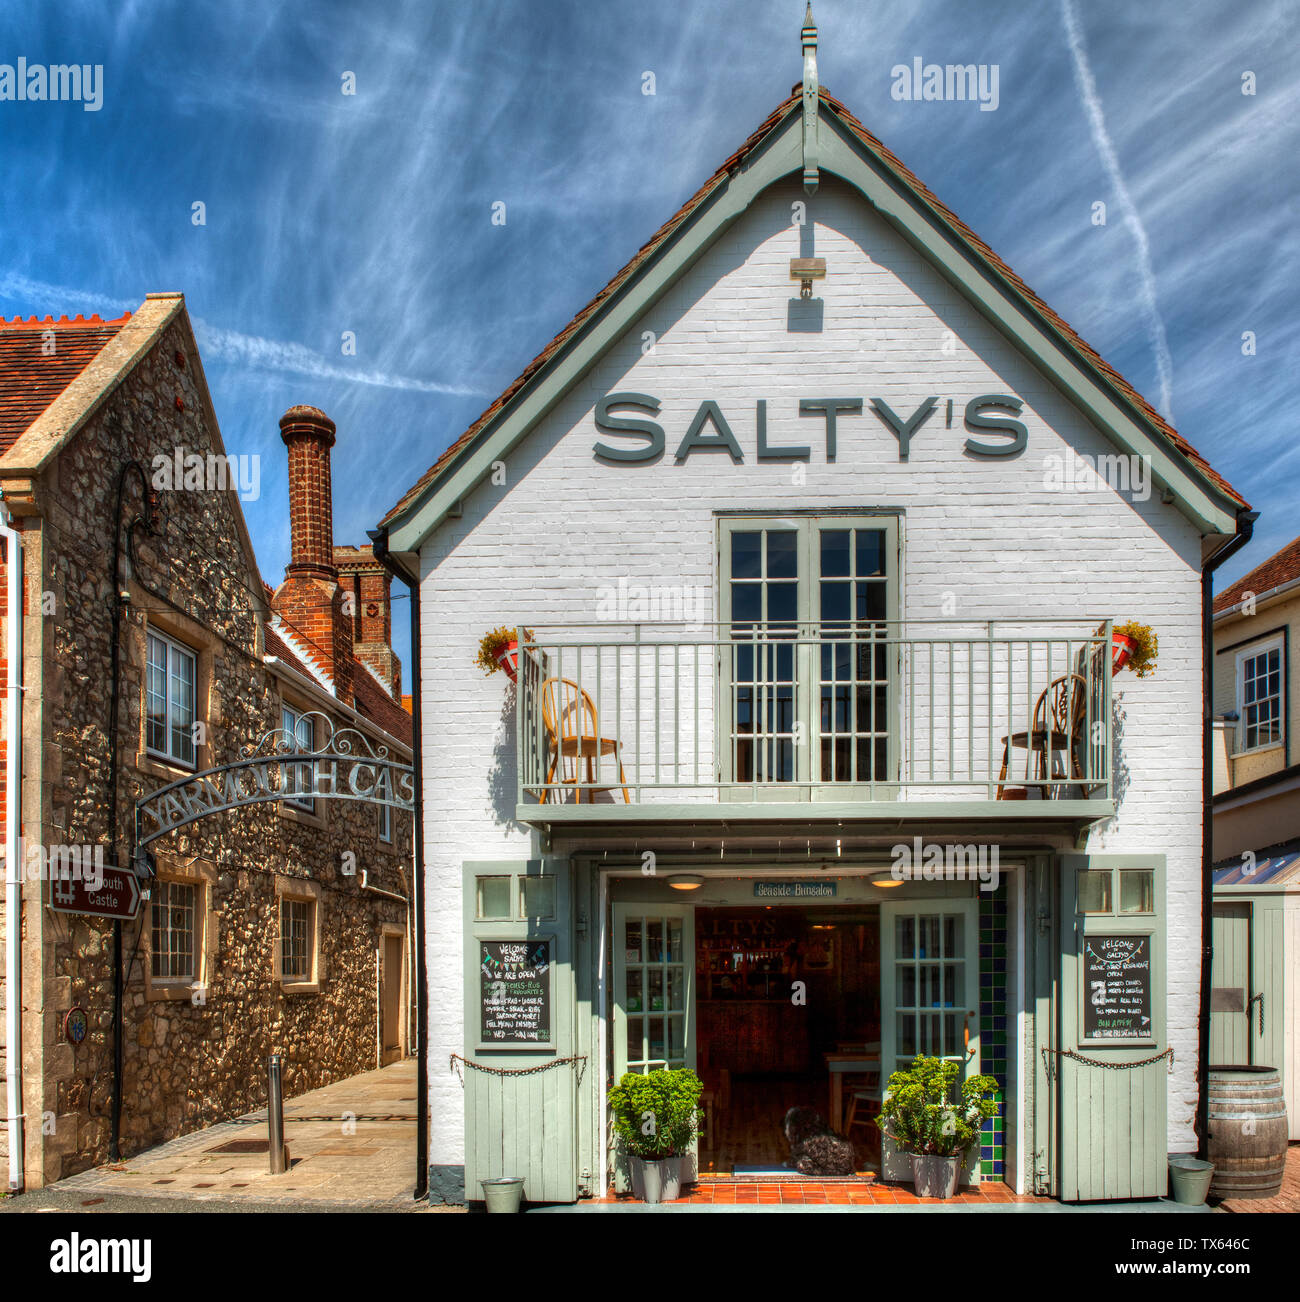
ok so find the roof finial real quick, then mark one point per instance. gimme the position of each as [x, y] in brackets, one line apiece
[809, 39]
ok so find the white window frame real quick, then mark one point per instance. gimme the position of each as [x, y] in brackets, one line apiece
[161, 898]
[202, 876]
[384, 823]
[291, 732]
[1245, 655]
[174, 648]
[298, 890]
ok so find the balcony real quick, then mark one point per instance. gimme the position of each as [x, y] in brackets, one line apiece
[622, 723]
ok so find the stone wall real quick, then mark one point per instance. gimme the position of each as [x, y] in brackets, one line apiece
[192, 1058]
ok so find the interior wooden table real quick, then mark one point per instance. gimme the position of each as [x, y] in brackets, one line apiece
[837, 1064]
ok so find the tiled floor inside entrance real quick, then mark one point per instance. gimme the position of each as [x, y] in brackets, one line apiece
[748, 1132]
[857, 1193]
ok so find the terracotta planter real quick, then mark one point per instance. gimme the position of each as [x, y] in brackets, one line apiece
[1121, 651]
[508, 659]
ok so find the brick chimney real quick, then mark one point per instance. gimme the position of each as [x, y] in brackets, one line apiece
[366, 582]
[311, 599]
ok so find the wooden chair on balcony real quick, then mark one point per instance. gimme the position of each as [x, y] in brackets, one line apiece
[573, 735]
[1059, 719]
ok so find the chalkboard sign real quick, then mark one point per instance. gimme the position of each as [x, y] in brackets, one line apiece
[1117, 988]
[515, 992]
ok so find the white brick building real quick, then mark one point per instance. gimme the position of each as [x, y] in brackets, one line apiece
[978, 580]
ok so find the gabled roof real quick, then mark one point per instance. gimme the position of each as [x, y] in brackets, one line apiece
[1281, 568]
[39, 359]
[1127, 395]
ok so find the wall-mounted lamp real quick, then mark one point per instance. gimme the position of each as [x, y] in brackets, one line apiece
[685, 882]
[805, 271]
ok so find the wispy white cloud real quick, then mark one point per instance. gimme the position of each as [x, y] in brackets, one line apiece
[233, 347]
[1101, 138]
[230, 346]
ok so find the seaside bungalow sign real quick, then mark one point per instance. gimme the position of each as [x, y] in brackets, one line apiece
[711, 431]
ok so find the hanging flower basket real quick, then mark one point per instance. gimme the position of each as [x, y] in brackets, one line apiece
[1121, 651]
[498, 648]
[508, 659]
[1134, 647]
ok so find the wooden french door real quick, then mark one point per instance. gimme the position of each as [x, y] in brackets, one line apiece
[808, 674]
[654, 997]
[929, 994]
[929, 983]
[654, 987]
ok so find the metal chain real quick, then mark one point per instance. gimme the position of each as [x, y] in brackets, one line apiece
[512, 1071]
[1108, 1066]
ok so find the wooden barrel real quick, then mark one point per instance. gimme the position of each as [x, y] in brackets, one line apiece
[1248, 1131]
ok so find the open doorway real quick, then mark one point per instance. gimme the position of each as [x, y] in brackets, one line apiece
[787, 1016]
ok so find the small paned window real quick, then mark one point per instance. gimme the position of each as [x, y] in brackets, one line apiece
[1261, 698]
[1093, 890]
[172, 926]
[537, 897]
[296, 938]
[494, 897]
[1137, 891]
[298, 734]
[170, 678]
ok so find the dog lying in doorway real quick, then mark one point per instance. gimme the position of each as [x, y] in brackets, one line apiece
[815, 1149]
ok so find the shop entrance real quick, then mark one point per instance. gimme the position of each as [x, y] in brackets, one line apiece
[788, 1015]
[801, 1003]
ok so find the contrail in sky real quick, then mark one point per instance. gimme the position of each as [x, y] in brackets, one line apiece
[1100, 137]
[230, 346]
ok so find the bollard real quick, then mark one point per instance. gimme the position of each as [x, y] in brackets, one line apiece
[275, 1114]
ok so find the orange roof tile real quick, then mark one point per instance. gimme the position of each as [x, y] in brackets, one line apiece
[1282, 567]
[32, 377]
[894, 164]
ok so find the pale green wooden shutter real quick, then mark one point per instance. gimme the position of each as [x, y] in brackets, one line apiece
[521, 1125]
[1111, 1118]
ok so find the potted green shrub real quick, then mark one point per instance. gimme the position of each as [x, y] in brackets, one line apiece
[498, 648]
[1134, 646]
[656, 1116]
[934, 1121]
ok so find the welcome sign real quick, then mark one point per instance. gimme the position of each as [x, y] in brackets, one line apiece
[711, 430]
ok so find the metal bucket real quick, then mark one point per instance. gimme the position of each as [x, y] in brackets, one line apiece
[1248, 1131]
[503, 1194]
[1189, 1179]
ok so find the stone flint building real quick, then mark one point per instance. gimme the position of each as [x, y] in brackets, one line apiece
[815, 526]
[150, 650]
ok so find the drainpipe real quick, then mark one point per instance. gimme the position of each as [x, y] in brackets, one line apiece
[379, 537]
[1245, 529]
[13, 866]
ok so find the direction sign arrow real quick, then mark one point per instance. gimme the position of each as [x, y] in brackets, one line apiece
[118, 895]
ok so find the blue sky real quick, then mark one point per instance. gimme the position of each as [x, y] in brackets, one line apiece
[371, 212]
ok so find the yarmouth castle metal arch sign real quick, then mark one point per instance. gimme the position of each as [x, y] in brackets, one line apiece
[346, 766]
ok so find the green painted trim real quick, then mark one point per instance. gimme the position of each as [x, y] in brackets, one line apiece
[821, 811]
[774, 159]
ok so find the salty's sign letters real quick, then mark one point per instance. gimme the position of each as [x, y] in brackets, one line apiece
[515, 992]
[1117, 988]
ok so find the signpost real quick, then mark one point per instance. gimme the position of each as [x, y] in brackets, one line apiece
[117, 895]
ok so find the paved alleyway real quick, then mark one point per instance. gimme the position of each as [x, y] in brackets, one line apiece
[350, 1143]
[1288, 1197]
